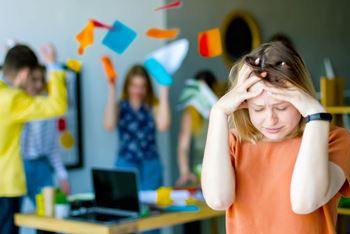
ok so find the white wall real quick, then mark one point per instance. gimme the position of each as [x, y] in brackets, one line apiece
[40, 21]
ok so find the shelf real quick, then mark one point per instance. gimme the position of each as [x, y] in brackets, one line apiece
[338, 109]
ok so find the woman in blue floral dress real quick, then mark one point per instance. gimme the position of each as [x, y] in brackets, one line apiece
[137, 116]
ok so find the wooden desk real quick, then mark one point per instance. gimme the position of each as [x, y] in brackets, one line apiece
[143, 224]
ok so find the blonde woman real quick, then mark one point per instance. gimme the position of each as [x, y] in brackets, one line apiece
[137, 117]
[281, 168]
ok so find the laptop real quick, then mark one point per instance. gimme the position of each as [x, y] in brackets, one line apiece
[116, 197]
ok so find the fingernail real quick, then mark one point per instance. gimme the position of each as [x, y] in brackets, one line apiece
[263, 74]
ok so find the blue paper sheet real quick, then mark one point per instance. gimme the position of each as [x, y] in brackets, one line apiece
[119, 38]
[158, 72]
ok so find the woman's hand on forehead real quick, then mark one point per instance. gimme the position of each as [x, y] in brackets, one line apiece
[305, 103]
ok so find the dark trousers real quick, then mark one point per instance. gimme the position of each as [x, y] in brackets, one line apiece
[8, 207]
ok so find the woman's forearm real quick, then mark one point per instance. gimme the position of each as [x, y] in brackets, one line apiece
[163, 115]
[184, 143]
[315, 180]
[110, 116]
[218, 179]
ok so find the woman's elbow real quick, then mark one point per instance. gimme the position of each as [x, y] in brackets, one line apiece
[219, 204]
[60, 108]
[303, 207]
[218, 201]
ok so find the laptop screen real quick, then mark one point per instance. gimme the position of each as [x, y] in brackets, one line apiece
[116, 189]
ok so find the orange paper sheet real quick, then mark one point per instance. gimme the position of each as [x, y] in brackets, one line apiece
[110, 72]
[210, 43]
[86, 37]
[162, 33]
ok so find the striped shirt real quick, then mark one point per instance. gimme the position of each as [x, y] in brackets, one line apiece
[40, 139]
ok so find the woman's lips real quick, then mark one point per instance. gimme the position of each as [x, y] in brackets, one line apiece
[273, 130]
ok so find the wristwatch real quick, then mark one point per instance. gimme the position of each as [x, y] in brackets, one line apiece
[319, 116]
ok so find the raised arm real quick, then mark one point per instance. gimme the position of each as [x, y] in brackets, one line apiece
[111, 110]
[162, 111]
[218, 175]
[315, 179]
[24, 107]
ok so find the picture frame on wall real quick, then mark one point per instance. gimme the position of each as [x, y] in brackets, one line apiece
[69, 126]
[73, 155]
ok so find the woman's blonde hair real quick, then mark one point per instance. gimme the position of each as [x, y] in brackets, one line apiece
[138, 70]
[283, 65]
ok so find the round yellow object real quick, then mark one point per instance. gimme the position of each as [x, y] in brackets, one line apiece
[67, 140]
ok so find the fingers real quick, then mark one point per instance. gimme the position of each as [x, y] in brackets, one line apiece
[284, 96]
[253, 94]
[250, 82]
[283, 91]
[49, 53]
[249, 95]
[243, 73]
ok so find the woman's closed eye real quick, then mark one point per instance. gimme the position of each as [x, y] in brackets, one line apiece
[258, 109]
[281, 108]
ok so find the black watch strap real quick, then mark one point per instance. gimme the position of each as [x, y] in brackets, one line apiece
[319, 116]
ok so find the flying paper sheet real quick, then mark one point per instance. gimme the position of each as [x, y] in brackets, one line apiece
[171, 55]
[162, 33]
[158, 72]
[85, 37]
[101, 25]
[109, 69]
[175, 4]
[210, 43]
[73, 64]
[198, 95]
[119, 38]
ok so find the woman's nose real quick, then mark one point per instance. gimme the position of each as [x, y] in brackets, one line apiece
[271, 118]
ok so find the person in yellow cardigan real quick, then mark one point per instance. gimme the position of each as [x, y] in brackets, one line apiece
[16, 108]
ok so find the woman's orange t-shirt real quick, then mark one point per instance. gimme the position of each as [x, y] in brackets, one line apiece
[263, 176]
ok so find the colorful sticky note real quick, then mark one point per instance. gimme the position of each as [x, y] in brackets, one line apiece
[119, 38]
[101, 25]
[171, 55]
[210, 43]
[73, 64]
[110, 72]
[175, 4]
[158, 72]
[67, 140]
[85, 37]
[162, 33]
